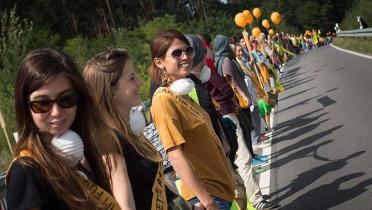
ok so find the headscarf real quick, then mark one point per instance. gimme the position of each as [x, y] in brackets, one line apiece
[221, 47]
[199, 50]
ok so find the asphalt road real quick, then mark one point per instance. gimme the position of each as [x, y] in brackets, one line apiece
[322, 144]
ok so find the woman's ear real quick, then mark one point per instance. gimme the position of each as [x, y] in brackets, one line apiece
[159, 63]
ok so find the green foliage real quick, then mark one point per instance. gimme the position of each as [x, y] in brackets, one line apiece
[14, 38]
[361, 8]
[361, 45]
[77, 48]
[137, 41]
[42, 38]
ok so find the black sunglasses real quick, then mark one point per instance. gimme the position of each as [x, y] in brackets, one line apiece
[45, 105]
[177, 53]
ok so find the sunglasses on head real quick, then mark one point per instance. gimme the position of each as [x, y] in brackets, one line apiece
[45, 105]
[177, 53]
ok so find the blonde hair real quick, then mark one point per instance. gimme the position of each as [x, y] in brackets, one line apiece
[102, 73]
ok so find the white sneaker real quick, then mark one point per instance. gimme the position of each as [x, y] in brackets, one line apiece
[261, 146]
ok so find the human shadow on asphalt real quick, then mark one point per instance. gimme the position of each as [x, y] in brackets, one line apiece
[288, 77]
[292, 81]
[293, 70]
[340, 68]
[326, 101]
[310, 151]
[298, 83]
[298, 104]
[333, 89]
[306, 178]
[298, 121]
[304, 142]
[298, 132]
[295, 94]
[330, 195]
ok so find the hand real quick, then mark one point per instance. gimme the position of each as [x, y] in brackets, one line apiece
[228, 78]
[198, 206]
[209, 205]
[245, 34]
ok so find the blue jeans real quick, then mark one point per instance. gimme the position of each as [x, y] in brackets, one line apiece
[222, 204]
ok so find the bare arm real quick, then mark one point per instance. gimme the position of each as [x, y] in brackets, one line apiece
[187, 175]
[228, 68]
[121, 187]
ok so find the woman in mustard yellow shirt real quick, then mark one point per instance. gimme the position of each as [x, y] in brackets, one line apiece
[185, 129]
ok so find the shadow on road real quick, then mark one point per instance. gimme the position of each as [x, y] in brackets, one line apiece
[333, 89]
[298, 104]
[288, 78]
[299, 83]
[326, 101]
[298, 93]
[316, 196]
[299, 121]
[310, 151]
[330, 195]
[304, 142]
[298, 132]
[340, 68]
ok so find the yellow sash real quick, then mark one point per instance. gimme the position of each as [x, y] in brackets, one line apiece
[159, 199]
[97, 195]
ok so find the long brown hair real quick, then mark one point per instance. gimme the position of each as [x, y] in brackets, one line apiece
[159, 47]
[102, 73]
[37, 68]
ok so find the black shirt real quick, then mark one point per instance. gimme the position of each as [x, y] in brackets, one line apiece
[142, 173]
[27, 188]
[206, 103]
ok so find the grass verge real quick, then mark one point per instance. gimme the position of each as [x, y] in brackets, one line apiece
[360, 45]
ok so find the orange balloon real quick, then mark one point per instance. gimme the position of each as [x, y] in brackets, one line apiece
[248, 16]
[276, 18]
[256, 32]
[271, 31]
[256, 12]
[266, 24]
[240, 20]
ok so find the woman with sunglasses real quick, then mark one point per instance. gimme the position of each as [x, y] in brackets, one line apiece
[66, 157]
[116, 86]
[185, 129]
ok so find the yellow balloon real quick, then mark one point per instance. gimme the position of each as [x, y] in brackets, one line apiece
[265, 23]
[276, 18]
[240, 20]
[271, 31]
[256, 12]
[256, 32]
[248, 16]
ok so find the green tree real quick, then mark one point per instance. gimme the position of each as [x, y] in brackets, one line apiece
[360, 8]
[14, 37]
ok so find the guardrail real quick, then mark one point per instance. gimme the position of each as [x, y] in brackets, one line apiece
[366, 32]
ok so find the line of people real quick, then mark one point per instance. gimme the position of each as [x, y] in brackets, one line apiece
[81, 141]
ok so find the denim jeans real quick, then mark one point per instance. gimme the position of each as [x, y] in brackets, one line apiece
[222, 204]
